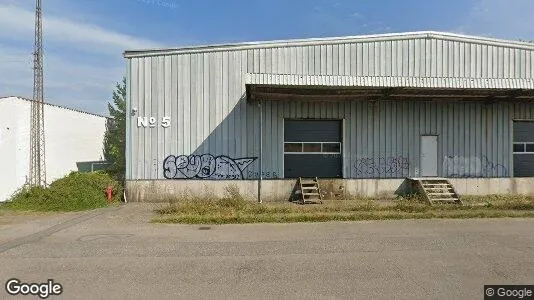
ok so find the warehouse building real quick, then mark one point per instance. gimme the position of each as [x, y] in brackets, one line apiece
[361, 113]
[74, 141]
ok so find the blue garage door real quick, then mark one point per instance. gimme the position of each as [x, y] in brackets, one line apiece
[312, 148]
[523, 148]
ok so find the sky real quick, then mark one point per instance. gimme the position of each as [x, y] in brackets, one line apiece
[84, 39]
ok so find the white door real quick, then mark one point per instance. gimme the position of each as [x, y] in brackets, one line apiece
[429, 155]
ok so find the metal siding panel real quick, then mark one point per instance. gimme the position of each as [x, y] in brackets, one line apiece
[358, 50]
[511, 62]
[167, 109]
[160, 109]
[372, 59]
[529, 64]
[365, 60]
[299, 60]
[261, 60]
[151, 109]
[213, 101]
[376, 136]
[225, 121]
[206, 95]
[335, 59]
[130, 94]
[275, 56]
[256, 60]
[198, 101]
[451, 60]
[451, 132]
[293, 61]
[416, 58]
[388, 58]
[494, 62]
[317, 60]
[268, 60]
[394, 58]
[250, 59]
[346, 59]
[478, 61]
[239, 95]
[456, 63]
[521, 62]
[484, 61]
[462, 59]
[381, 58]
[139, 135]
[186, 85]
[306, 60]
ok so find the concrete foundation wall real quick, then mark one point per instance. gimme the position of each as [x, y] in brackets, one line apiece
[284, 189]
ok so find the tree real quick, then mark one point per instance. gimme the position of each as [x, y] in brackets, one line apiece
[115, 136]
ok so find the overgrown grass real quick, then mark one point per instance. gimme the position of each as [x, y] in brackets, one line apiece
[75, 192]
[233, 208]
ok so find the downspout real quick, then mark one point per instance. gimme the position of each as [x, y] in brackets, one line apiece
[261, 151]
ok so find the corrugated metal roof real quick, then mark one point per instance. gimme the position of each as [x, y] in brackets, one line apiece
[54, 105]
[332, 40]
[390, 81]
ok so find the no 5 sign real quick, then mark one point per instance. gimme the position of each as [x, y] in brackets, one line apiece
[153, 122]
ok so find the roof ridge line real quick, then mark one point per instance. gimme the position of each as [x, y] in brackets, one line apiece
[329, 40]
[56, 105]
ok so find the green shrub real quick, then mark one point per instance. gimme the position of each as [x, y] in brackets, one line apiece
[75, 192]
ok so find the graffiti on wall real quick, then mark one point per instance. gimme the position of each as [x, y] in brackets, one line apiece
[466, 167]
[393, 165]
[205, 166]
[265, 174]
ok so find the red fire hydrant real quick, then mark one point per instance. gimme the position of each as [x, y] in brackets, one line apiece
[109, 192]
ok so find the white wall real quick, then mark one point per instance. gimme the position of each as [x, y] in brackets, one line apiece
[71, 137]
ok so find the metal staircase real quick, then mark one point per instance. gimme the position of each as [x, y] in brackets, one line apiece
[310, 190]
[437, 190]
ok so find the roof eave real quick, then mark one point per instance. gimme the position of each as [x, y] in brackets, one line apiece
[331, 40]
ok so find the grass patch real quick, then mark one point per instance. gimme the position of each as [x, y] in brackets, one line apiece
[75, 192]
[234, 209]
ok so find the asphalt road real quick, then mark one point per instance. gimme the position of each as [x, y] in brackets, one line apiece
[116, 254]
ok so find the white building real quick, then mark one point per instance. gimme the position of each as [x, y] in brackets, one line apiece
[72, 136]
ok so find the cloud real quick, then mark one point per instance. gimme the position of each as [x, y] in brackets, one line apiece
[82, 60]
[502, 19]
[68, 82]
[18, 23]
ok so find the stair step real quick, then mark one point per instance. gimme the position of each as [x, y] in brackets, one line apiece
[444, 200]
[441, 194]
[435, 184]
[311, 194]
[310, 188]
[439, 189]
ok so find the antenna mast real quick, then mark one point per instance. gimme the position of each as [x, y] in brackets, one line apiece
[37, 175]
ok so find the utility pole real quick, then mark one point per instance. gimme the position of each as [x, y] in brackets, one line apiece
[37, 176]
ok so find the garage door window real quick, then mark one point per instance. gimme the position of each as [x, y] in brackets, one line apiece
[312, 148]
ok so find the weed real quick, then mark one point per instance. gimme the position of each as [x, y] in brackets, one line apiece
[233, 208]
[75, 192]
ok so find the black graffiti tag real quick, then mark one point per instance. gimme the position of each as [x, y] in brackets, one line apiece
[205, 166]
[395, 165]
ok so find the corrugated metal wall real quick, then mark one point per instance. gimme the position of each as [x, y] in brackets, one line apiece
[204, 94]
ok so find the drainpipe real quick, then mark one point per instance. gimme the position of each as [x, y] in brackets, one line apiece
[261, 151]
